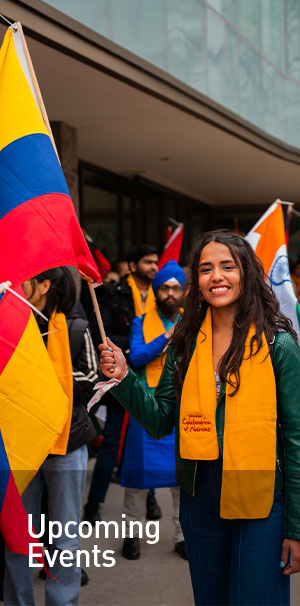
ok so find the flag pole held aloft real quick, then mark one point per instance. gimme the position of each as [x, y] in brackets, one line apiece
[4, 286]
[97, 312]
[36, 87]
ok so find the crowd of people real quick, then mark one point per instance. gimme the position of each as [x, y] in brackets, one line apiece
[208, 370]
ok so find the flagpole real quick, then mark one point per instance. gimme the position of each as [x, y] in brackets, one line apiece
[36, 87]
[4, 286]
[97, 312]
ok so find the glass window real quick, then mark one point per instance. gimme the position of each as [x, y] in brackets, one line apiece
[222, 53]
[273, 31]
[292, 37]
[293, 113]
[100, 214]
[186, 42]
[249, 20]
[250, 85]
[274, 101]
[227, 8]
[94, 13]
[140, 26]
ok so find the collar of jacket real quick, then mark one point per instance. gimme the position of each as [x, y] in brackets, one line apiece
[120, 287]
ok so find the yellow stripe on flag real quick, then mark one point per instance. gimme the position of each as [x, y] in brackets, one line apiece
[19, 112]
[33, 406]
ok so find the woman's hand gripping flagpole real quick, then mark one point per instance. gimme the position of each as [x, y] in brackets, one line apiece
[112, 361]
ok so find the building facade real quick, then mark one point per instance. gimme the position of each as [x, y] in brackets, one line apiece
[165, 108]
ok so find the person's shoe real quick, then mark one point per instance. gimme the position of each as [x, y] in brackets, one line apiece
[180, 548]
[84, 578]
[153, 511]
[131, 548]
[91, 512]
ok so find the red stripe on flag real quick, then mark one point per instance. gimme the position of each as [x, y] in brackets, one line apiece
[42, 233]
[14, 318]
[172, 248]
[14, 522]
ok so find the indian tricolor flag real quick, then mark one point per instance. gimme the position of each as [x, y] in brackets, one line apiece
[268, 240]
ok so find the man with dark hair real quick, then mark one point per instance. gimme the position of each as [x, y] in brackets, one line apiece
[121, 303]
[132, 296]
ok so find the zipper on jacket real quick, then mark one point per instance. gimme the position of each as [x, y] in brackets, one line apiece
[278, 464]
[194, 478]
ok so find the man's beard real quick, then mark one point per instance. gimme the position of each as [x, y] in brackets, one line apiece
[143, 276]
[168, 309]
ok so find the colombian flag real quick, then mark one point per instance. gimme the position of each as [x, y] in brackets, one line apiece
[13, 517]
[267, 237]
[33, 405]
[38, 225]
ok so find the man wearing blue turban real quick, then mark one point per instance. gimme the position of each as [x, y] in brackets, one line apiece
[148, 463]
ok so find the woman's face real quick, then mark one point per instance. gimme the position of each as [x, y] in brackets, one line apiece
[219, 276]
[36, 292]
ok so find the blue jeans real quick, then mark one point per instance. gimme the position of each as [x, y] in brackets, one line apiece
[64, 477]
[232, 562]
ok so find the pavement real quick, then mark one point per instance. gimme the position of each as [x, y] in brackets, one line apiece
[160, 577]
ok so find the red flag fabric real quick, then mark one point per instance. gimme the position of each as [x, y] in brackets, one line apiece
[172, 248]
[13, 517]
[168, 233]
[102, 263]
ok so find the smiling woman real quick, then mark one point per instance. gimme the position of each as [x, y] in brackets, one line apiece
[230, 384]
[219, 276]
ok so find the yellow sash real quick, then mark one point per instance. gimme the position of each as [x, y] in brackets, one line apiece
[58, 347]
[249, 444]
[153, 327]
[137, 300]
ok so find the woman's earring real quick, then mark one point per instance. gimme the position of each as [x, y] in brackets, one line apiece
[201, 298]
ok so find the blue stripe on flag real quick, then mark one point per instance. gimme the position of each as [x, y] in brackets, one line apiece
[29, 168]
[4, 472]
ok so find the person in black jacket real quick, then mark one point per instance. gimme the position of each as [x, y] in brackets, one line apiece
[53, 292]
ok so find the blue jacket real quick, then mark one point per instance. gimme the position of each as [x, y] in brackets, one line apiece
[140, 352]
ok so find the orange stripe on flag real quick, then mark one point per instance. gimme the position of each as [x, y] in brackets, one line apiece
[272, 237]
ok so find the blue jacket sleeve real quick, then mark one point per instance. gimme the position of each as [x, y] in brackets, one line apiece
[140, 352]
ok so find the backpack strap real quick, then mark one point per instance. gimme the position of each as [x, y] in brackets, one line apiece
[76, 328]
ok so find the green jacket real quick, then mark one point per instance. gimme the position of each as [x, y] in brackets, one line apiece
[159, 413]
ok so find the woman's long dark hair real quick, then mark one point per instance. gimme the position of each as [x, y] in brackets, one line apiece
[62, 292]
[256, 304]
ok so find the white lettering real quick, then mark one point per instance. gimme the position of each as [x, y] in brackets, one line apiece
[65, 556]
[67, 533]
[30, 526]
[84, 552]
[108, 557]
[52, 534]
[89, 529]
[133, 523]
[33, 555]
[96, 551]
[51, 561]
[106, 526]
[154, 536]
